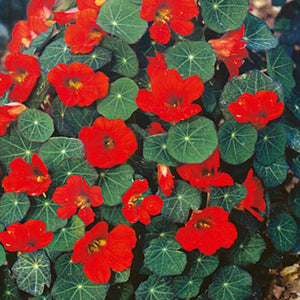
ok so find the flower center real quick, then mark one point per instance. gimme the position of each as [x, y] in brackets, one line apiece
[206, 172]
[109, 143]
[262, 114]
[95, 35]
[202, 224]
[163, 15]
[95, 245]
[174, 102]
[100, 2]
[75, 84]
[135, 200]
[19, 77]
[82, 201]
[41, 178]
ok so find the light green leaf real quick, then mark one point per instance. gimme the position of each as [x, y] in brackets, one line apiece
[123, 276]
[2, 255]
[64, 266]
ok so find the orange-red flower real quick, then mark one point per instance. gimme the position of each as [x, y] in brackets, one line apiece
[40, 8]
[108, 142]
[24, 177]
[254, 202]
[231, 49]
[26, 237]
[8, 113]
[164, 12]
[78, 84]
[165, 179]
[205, 174]
[83, 36]
[258, 109]
[94, 4]
[207, 230]
[157, 64]
[101, 251]
[24, 70]
[77, 195]
[137, 207]
[66, 17]
[155, 128]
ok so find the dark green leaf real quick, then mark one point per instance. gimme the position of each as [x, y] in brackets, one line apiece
[203, 265]
[64, 266]
[294, 201]
[292, 131]
[2, 255]
[185, 287]
[113, 215]
[123, 276]
[42, 38]
[8, 288]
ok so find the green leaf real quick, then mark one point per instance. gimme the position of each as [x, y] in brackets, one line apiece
[185, 287]
[177, 206]
[56, 52]
[45, 210]
[224, 15]
[74, 166]
[56, 149]
[154, 288]
[258, 35]
[2, 255]
[156, 149]
[115, 182]
[126, 62]
[13, 207]
[8, 288]
[96, 59]
[123, 276]
[192, 58]
[32, 272]
[122, 18]
[294, 202]
[113, 215]
[120, 101]
[230, 283]
[270, 144]
[250, 82]
[292, 130]
[280, 67]
[236, 141]
[42, 38]
[203, 265]
[78, 287]
[283, 232]
[35, 125]
[163, 258]
[274, 174]
[192, 141]
[227, 197]
[64, 266]
[65, 238]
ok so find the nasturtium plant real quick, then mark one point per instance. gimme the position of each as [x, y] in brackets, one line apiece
[149, 150]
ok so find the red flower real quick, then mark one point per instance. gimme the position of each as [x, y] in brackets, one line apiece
[205, 174]
[231, 50]
[254, 201]
[78, 84]
[165, 179]
[207, 230]
[162, 12]
[156, 64]
[258, 109]
[25, 31]
[155, 128]
[83, 36]
[101, 251]
[24, 70]
[40, 8]
[26, 237]
[108, 142]
[139, 208]
[77, 194]
[8, 113]
[33, 179]
[85, 4]
[66, 17]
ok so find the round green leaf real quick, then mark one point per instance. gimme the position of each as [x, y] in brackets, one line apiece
[154, 288]
[270, 144]
[123, 276]
[42, 38]
[9, 290]
[192, 141]
[65, 266]
[292, 130]
[120, 101]
[65, 238]
[203, 265]
[236, 141]
[283, 232]
[122, 18]
[294, 202]
[177, 206]
[185, 287]
[115, 182]
[78, 286]
[113, 215]
[13, 207]
[163, 258]
[32, 272]
[192, 58]
[227, 197]
[230, 283]
[2, 255]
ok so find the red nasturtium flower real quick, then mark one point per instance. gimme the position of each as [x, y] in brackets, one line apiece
[231, 49]
[26, 237]
[66, 17]
[101, 251]
[83, 36]
[207, 230]
[205, 174]
[254, 202]
[177, 13]
[258, 109]
[77, 195]
[24, 177]
[156, 64]
[165, 179]
[137, 207]
[24, 70]
[78, 84]
[108, 142]
[94, 4]
[155, 128]
[40, 8]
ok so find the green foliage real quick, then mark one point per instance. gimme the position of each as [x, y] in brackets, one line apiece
[123, 276]
[8, 288]
[113, 215]
[294, 202]
[185, 287]
[2, 255]
[64, 266]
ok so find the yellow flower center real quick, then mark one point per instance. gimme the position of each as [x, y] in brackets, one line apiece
[109, 143]
[95, 245]
[19, 77]
[163, 15]
[82, 201]
[100, 2]
[135, 200]
[202, 224]
[75, 84]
